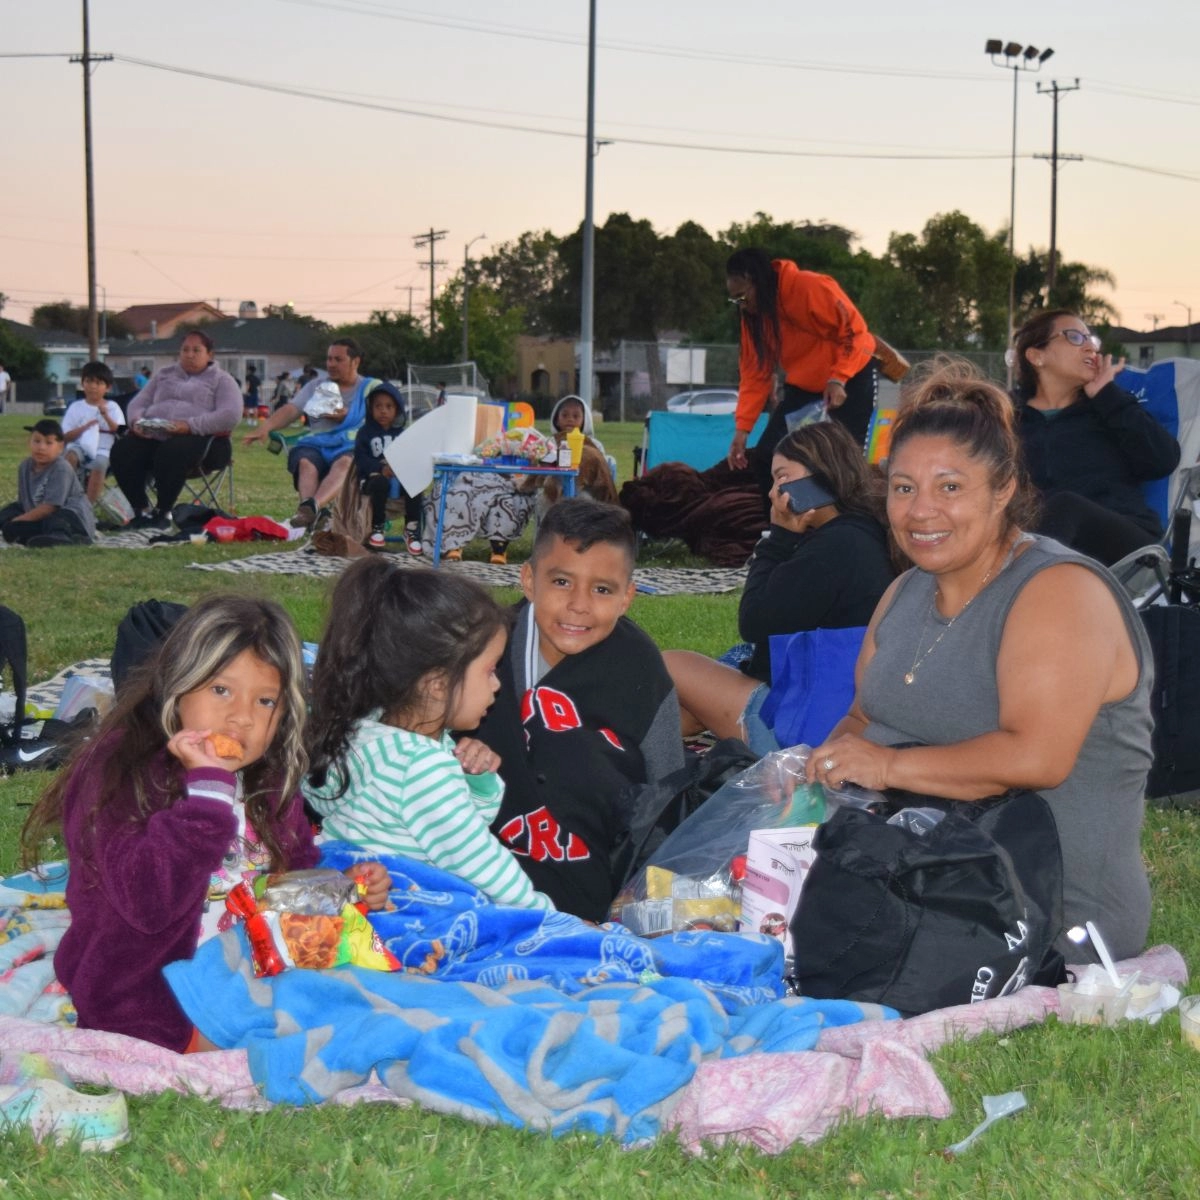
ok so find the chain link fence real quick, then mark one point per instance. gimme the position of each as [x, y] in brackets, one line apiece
[638, 377]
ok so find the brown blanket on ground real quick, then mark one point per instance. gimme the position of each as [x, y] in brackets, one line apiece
[719, 512]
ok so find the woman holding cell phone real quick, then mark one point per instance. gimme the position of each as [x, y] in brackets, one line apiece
[824, 564]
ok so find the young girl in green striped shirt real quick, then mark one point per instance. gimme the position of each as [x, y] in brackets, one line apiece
[408, 656]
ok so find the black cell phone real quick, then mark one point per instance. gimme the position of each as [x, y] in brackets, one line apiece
[806, 493]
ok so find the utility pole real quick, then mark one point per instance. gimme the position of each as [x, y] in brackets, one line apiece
[1154, 319]
[587, 311]
[431, 240]
[85, 60]
[1054, 91]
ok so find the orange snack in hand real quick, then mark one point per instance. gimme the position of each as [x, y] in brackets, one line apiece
[226, 747]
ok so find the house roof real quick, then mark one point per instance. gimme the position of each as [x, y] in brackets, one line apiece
[233, 335]
[1169, 333]
[139, 317]
[47, 339]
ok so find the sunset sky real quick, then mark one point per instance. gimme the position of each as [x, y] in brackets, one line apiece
[468, 117]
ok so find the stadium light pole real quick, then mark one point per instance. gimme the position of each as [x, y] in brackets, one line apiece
[586, 317]
[1017, 58]
[1187, 333]
[467, 289]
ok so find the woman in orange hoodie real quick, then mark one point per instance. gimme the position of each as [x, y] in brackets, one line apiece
[803, 322]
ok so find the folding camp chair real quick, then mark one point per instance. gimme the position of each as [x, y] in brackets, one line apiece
[700, 440]
[205, 486]
[1170, 390]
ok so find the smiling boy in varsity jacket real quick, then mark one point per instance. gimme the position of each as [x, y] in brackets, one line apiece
[586, 712]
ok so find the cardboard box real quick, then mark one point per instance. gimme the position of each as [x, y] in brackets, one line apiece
[777, 861]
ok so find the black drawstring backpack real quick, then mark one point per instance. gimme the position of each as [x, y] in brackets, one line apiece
[919, 917]
[141, 631]
[14, 651]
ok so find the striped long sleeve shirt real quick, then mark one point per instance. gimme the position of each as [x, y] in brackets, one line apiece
[409, 795]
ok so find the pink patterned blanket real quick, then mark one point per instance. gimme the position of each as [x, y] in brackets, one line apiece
[765, 1100]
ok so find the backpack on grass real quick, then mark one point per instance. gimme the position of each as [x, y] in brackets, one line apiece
[931, 904]
[13, 656]
[141, 630]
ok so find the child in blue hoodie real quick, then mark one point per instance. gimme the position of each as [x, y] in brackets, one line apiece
[384, 423]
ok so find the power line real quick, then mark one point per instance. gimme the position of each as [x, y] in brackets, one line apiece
[379, 106]
[524, 33]
[308, 258]
[659, 144]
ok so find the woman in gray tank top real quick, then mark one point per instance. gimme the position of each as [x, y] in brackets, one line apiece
[1014, 662]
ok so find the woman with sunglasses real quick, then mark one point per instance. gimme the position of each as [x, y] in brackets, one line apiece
[804, 323]
[1088, 444]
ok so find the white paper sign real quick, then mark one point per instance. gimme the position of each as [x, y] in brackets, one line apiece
[449, 429]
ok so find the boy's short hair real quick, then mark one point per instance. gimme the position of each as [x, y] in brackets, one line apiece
[47, 427]
[583, 523]
[96, 370]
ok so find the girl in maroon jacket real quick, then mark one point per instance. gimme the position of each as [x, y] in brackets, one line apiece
[188, 787]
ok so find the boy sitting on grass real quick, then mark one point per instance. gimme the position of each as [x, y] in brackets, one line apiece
[90, 426]
[50, 508]
[586, 713]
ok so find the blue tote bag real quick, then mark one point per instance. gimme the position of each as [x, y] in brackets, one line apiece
[812, 683]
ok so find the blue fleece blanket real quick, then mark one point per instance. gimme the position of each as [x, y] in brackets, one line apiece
[505, 1015]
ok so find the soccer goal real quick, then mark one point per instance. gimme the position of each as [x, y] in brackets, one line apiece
[457, 378]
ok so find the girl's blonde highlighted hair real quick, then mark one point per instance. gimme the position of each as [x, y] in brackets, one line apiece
[209, 636]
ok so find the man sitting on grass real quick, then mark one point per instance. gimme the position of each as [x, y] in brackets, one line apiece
[50, 509]
[586, 713]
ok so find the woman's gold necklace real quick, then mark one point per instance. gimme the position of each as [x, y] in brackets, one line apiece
[911, 674]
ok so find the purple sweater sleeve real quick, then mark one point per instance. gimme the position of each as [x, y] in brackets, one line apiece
[137, 888]
[156, 873]
[226, 411]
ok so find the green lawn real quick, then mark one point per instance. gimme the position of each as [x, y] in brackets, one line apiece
[1112, 1113]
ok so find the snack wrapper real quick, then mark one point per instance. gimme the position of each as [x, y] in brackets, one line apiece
[521, 444]
[308, 919]
[694, 879]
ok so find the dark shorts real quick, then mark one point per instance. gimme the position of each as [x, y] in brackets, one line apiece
[302, 453]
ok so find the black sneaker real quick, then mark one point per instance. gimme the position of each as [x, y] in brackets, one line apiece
[46, 541]
[151, 520]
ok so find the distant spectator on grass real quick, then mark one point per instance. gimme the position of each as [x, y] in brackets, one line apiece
[50, 508]
[180, 419]
[319, 461]
[90, 427]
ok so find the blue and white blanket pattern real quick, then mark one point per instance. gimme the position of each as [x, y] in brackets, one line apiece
[524, 1018]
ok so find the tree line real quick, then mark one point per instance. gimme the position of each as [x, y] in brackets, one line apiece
[945, 288]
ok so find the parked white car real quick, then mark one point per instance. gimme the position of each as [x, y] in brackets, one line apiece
[708, 400]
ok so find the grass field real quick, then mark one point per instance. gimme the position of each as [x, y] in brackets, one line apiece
[1112, 1113]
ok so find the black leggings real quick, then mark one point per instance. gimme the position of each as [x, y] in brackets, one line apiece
[134, 459]
[377, 489]
[855, 414]
[1091, 528]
